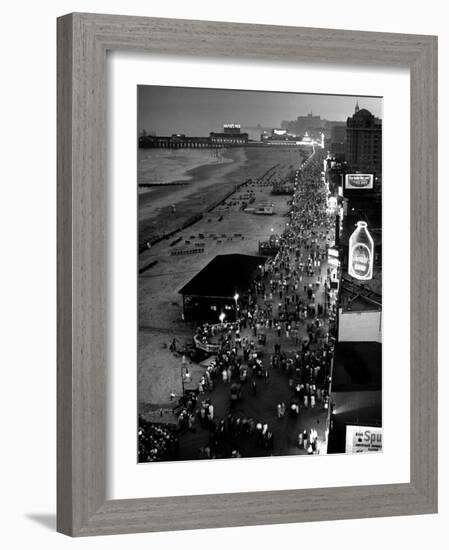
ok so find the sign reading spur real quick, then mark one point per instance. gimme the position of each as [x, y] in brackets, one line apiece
[359, 181]
[363, 439]
[361, 253]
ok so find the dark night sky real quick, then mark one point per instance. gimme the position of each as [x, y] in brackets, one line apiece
[198, 111]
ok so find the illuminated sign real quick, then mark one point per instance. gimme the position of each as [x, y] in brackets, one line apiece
[333, 252]
[361, 253]
[363, 439]
[359, 181]
[279, 132]
[232, 126]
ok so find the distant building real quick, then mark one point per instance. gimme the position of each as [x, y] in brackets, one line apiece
[304, 124]
[231, 128]
[231, 135]
[363, 149]
[175, 141]
[254, 132]
[280, 136]
[313, 124]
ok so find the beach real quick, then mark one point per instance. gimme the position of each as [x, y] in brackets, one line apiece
[223, 230]
[205, 185]
[159, 166]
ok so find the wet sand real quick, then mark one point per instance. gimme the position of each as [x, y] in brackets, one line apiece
[169, 165]
[208, 184]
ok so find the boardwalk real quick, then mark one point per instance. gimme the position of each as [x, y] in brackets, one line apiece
[292, 305]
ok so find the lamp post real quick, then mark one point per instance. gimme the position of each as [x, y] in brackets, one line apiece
[185, 377]
[222, 318]
[236, 297]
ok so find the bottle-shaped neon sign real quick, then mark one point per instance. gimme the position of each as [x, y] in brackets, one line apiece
[361, 253]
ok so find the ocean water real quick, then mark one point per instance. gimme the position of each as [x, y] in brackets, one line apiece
[172, 165]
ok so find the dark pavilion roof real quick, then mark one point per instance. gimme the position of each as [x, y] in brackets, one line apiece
[225, 275]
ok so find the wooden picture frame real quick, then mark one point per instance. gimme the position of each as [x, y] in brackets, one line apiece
[83, 40]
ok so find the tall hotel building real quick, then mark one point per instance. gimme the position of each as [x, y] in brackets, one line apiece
[364, 144]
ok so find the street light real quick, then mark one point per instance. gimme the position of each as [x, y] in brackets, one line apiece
[185, 377]
[236, 297]
[222, 317]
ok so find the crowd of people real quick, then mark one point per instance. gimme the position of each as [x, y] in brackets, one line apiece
[227, 437]
[156, 443]
[292, 301]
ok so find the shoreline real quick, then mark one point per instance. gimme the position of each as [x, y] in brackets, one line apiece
[197, 179]
[164, 208]
[156, 215]
[179, 173]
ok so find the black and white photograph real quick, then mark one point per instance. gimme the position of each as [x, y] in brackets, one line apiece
[259, 274]
[206, 342]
